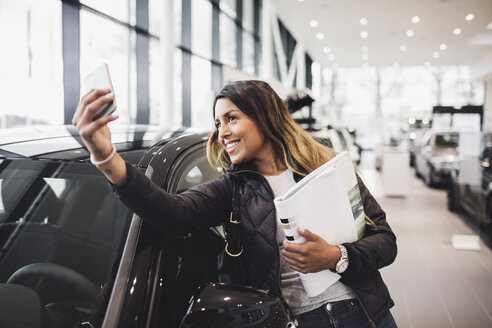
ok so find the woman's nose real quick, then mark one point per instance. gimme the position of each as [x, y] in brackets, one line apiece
[223, 132]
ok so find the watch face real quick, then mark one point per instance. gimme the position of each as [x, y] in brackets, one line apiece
[342, 267]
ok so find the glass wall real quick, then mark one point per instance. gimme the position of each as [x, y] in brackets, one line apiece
[31, 66]
[116, 47]
[404, 92]
[123, 10]
[210, 52]
[202, 94]
[201, 28]
[221, 32]
[227, 40]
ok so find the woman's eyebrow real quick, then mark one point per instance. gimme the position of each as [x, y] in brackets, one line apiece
[227, 113]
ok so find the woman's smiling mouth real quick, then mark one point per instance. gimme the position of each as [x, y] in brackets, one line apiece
[231, 146]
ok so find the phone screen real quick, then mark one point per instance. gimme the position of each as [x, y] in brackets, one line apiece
[100, 79]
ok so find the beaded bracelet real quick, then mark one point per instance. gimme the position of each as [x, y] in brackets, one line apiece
[104, 161]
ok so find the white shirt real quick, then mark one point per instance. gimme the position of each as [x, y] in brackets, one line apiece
[290, 282]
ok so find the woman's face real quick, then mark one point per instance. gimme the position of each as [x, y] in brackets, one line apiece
[240, 135]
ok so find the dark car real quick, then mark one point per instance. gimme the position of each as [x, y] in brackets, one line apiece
[470, 189]
[61, 228]
[72, 255]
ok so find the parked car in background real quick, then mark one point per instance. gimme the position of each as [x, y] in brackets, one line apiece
[323, 137]
[435, 156]
[337, 140]
[348, 143]
[414, 133]
[72, 255]
[470, 189]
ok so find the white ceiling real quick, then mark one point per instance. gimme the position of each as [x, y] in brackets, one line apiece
[387, 24]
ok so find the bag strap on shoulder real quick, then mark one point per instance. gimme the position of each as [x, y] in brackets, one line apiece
[233, 245]
[235, 217]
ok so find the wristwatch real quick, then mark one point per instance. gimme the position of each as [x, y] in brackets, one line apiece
[343, 263]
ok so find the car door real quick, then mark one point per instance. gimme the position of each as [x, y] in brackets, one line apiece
[190, 261]
[159, 273]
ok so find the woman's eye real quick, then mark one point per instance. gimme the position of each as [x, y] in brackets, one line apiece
[217, 125]
[231, 118]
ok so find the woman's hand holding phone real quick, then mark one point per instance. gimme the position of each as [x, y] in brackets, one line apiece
[95, 133]
[97, 136]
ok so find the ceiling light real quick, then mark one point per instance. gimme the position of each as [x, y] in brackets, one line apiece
[489, 26]
[365, 49]
[363, 21]
[364, 34]
[443, 46]
[313, 23]
[435, 54]
[469, 17]
[415, 19]
[403, 47]
[457, 31]
[427, 64]
[320, 36]
[410, 33]
[331, 57]
[365, 56]
[326, 50]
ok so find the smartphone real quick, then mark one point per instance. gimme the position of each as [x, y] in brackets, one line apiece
[100, 79]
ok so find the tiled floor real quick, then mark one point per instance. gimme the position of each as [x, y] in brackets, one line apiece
[433, 285]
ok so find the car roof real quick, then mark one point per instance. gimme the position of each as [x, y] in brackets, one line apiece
[64, 142]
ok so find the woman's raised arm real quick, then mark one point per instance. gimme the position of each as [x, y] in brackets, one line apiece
[97, 136]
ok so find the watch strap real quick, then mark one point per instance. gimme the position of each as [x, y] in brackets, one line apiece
[342, 263]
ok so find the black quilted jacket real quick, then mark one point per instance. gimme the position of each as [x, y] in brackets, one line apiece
[208, 204]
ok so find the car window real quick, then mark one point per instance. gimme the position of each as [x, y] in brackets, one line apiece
[446, 140]
[15, 183]
[61, 234]
[197, 172]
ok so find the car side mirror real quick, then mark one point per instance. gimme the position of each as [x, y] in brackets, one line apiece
[232, 306]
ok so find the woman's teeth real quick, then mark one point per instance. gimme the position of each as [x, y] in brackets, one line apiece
[232, 144]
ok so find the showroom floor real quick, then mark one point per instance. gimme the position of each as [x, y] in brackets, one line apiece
[433, 284]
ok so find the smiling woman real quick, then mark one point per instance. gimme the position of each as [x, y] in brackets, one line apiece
[256, 138]
[242, 138]
[258, 102]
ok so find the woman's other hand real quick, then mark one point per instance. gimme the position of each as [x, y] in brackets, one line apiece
[95, 134]
[314, 255]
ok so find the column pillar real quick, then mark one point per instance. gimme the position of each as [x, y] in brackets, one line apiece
[166, 116]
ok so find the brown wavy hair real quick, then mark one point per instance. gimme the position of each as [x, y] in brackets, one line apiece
[299, 151]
